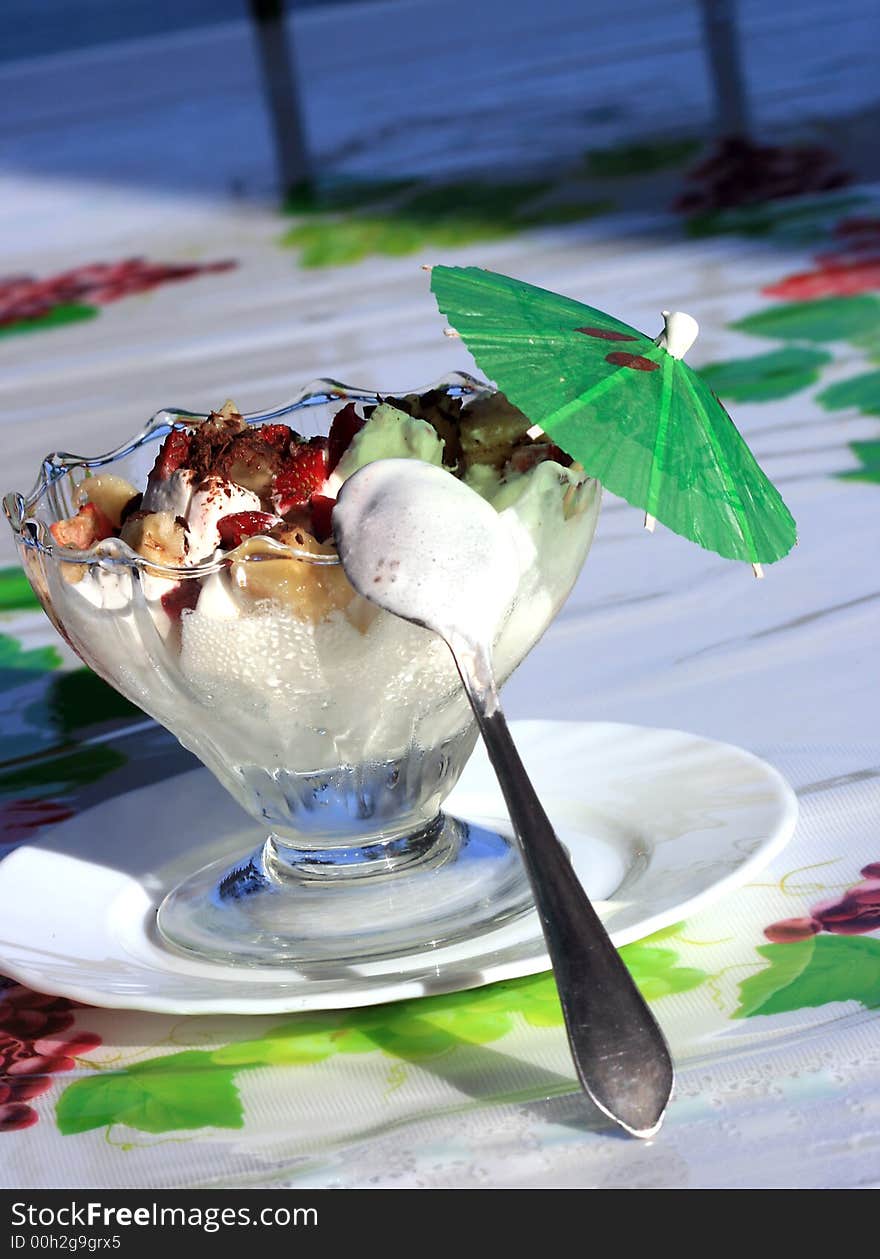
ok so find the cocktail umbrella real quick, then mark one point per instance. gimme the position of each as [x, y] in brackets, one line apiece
[626, 407]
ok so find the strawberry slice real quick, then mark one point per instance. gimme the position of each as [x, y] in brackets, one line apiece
[303, 475]
[277, 435]
[172, 455]
[345, 424]
[238, 525]
[322, 510]
[183, 598]
[83, 530]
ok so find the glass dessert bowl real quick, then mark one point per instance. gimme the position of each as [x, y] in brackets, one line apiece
[216, 602]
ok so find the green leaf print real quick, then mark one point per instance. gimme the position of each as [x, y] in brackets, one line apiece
[438, 215]
[344, 193]
[861, 392]
[656, 970]
[787, 963]
[79, 698]
[336, 243]
[196, 1088]
[71, 313]
[796, 221]
[58, 775]
[825, 319]
[419, 1029]
[37, 660]
[180, 1091]
[295, 1043]
[414, 1032]
[534, 997]
[15, 591]
[778, 374]
[868, 455]
[639, 159]
[813, 972]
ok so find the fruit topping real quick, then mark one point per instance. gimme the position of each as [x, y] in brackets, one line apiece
[216, 497]
[265, 571]
[250, 461]
[303, 475]
[237, 526]
[345, 424]
[277, 435]
[181, 598]
[82, 531]
[261, 493]
[173, 454]
[321, 509]
[110, 494]
[157, 536]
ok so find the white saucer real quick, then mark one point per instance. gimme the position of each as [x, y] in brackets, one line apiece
[658, 823]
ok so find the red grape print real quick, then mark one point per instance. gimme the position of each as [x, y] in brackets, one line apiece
[24, 297]
[856, 912]
[739, 172]
[20, 819]
[37, 1041]
[791, 929]
[852, 268]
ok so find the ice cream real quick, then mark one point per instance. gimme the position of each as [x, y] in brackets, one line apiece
[430, 549]
[216, 600]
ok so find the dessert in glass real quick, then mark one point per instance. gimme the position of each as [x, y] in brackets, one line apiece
[194, 569]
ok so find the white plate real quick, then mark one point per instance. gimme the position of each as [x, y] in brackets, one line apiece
[658, 823]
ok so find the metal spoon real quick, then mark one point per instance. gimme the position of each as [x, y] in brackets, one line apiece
[423, 545]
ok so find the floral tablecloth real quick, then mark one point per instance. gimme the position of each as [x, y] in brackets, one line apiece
[766, 999]
[769, 997]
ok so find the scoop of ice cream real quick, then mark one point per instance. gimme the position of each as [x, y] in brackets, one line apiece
[389, 434]
[426, 547]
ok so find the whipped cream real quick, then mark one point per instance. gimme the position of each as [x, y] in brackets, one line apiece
[172, 495]
[215, 498]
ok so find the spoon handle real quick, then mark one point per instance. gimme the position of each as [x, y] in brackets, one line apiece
[620, 1054]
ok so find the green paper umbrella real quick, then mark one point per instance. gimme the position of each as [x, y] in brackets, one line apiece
[626, 407]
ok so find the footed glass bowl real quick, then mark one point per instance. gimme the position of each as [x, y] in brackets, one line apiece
[338, 727]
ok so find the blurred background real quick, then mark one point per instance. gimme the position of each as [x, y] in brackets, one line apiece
[212, 199]
[169, 93]
[205, 198]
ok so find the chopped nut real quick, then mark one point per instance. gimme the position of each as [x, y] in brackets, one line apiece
[490, 427]
[442, 413]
